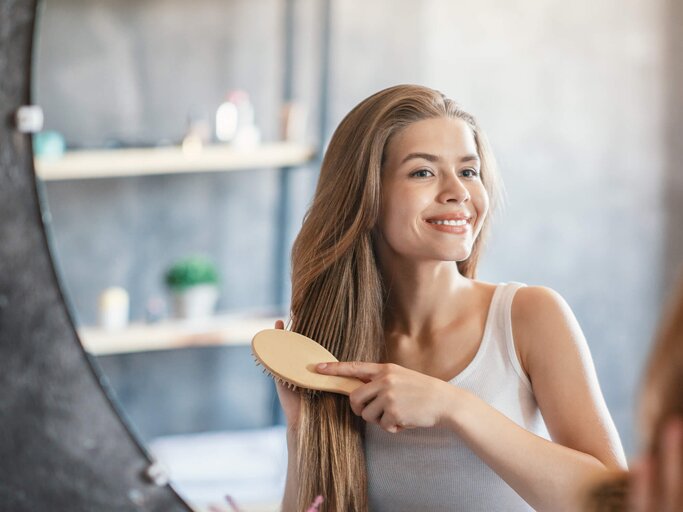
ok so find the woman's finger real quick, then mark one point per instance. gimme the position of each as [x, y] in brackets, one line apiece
[363, 395]
[388, 423]
[373, 411]
[279, 324]
[287, 396]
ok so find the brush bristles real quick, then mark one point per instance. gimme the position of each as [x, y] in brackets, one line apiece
[277, 379]
[282, 381]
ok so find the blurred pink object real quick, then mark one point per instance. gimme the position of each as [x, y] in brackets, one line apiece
[316, 503]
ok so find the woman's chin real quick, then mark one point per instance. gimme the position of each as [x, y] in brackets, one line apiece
[455, 256]
[457, 253]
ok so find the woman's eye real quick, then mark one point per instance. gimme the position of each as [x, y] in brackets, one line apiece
[470, 173]
[422, 173]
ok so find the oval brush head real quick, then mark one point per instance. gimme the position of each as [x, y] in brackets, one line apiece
[291, 358]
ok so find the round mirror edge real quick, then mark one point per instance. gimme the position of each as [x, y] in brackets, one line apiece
[32, 13]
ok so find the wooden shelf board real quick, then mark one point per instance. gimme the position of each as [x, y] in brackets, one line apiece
[174, 334]
[170, 160]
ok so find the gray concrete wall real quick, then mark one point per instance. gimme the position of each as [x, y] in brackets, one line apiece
[673, 182]
[580, 102]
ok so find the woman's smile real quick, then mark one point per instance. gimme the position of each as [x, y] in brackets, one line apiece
[457, 224]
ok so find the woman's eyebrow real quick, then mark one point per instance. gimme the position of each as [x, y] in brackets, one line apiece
[434, 158]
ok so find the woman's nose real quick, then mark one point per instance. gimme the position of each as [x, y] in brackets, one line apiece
[453, 191]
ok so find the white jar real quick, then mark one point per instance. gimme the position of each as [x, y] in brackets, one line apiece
[114, 308]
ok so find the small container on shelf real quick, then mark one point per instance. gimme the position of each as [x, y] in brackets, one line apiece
[114, 308]
[235, 121]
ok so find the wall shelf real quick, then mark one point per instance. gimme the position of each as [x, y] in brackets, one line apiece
[174, 334]
[110, 163]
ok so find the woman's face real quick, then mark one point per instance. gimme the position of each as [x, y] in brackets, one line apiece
[433, 200]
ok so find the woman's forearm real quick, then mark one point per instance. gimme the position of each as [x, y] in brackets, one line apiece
[292, 482]
[549, 476]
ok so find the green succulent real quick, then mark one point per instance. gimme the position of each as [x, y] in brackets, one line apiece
[191, 271]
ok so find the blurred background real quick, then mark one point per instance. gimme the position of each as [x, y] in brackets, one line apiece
[178, 130]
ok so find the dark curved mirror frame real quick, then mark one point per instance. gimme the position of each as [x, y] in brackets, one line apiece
[63, 444]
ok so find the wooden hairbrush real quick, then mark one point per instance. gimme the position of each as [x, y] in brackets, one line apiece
[291, 359]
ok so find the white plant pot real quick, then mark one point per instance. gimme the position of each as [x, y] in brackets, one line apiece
[196, 302]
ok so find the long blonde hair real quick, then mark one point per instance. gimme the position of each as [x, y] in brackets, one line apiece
[337, 289]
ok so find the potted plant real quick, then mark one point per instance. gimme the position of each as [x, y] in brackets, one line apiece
[194, 284]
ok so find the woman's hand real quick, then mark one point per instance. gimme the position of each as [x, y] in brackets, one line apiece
[395, 397]
[289, 400]
[657, 482]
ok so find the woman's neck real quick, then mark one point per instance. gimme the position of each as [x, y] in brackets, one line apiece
[421, 295]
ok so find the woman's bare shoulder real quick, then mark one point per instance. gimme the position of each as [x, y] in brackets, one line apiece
[534, 303]
[541, 319]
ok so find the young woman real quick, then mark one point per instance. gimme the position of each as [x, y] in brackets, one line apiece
[473, 401]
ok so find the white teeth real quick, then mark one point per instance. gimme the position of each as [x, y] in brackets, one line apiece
[460, 222]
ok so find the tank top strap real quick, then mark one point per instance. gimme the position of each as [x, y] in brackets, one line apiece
[503, 317]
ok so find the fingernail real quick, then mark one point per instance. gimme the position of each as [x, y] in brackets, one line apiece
[322, 366]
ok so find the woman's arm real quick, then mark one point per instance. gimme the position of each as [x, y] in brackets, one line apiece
[549, 476]
[555, 355]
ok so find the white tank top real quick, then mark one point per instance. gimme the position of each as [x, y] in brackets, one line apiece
[432, 469]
